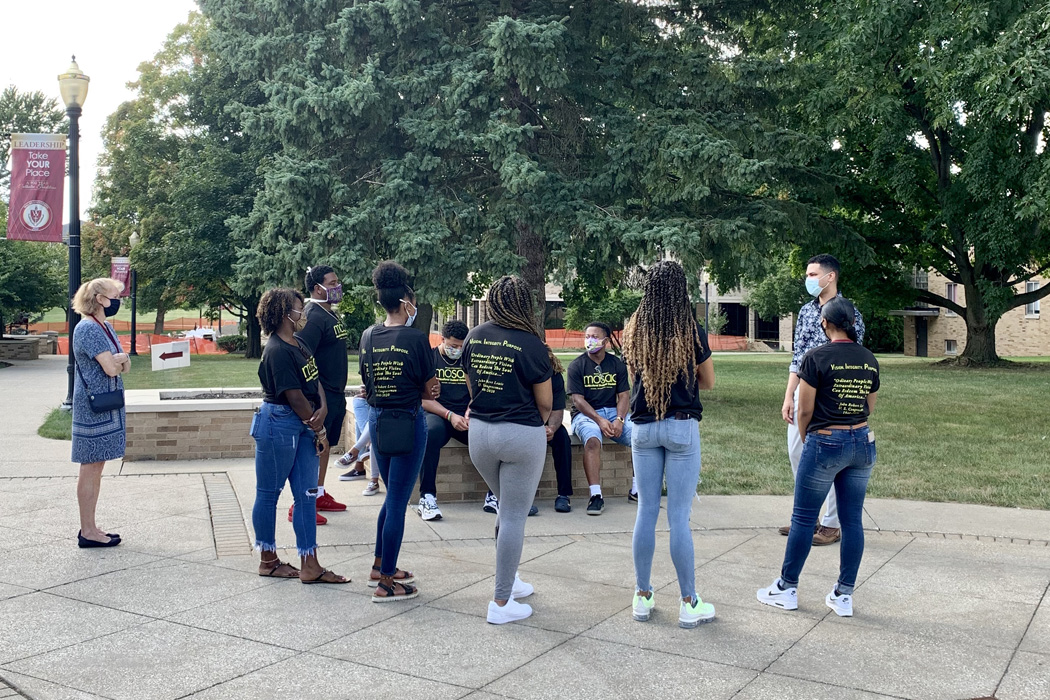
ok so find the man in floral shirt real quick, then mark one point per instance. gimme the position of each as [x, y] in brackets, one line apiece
[822, 282]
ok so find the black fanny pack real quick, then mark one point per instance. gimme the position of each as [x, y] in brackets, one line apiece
[101, 402]
[395, 431]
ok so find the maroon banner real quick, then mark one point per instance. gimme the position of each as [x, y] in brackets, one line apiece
[38, 171]
[120, 270]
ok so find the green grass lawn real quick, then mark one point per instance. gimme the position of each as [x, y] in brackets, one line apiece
[944, 434]
[57, 426]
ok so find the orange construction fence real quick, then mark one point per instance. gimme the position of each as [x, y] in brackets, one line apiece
[171, 324]
[145, 342]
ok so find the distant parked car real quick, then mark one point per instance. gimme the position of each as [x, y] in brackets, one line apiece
[206, 333]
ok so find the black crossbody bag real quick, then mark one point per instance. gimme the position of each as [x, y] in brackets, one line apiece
[102, 402]
[395, 427]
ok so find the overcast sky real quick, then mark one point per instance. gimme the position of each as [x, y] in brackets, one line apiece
[110, 39]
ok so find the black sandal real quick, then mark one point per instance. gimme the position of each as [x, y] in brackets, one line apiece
[391, 594]
[320, 578]
[405, 577]
[277, 564]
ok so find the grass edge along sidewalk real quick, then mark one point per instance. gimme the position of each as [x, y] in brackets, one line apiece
[943, 434]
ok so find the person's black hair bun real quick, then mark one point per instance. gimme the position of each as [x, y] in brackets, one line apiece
[389, 275]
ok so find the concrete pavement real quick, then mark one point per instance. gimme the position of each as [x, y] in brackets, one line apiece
[951, 601]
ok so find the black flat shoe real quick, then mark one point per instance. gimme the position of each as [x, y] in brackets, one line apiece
[85, 543]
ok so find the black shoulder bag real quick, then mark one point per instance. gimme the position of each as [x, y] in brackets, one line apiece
[102, 402]
[395, 427]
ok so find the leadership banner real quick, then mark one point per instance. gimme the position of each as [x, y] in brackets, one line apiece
[120, 270]
[38, 171]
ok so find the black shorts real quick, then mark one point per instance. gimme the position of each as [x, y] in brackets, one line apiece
[333, 424]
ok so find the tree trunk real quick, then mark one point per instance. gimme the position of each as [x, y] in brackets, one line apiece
[158, 325]
[531, 247]
[980, 344]
[254, 331]
[424, 317]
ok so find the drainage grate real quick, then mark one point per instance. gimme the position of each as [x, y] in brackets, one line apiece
[227, 521]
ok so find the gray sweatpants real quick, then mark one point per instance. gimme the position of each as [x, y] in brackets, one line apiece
[510, 459]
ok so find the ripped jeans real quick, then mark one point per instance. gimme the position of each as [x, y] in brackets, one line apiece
[284, 451]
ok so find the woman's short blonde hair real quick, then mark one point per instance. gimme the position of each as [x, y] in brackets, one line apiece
[84, 301]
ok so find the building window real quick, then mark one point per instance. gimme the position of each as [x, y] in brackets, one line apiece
[951, 293]
[1031, 310]
[477, 313]
[951, 347]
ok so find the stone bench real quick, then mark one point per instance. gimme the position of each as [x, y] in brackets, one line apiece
[21, 347]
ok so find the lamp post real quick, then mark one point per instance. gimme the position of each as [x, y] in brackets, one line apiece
[133, 241]
[73, 85]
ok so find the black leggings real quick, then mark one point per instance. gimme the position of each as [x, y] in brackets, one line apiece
[561, 450]
[439, 432]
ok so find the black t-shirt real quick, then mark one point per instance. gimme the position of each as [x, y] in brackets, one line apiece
[685, 395]
[325, 337]
[454, 393]
[285, 367]
[558, 392]
[598, 384]
[503, 364]
[843, 373]
[403, 363]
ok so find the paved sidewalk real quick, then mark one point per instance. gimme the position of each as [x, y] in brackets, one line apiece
[951, 601]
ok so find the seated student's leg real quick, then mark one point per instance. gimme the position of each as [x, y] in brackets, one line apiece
[561, 451]
[439, 431]
[625, 440]
[591, 437]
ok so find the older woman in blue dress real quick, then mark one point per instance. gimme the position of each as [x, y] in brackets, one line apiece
[97, 436]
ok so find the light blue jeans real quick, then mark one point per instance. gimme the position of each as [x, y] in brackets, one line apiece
[585, 428]
[666, 450]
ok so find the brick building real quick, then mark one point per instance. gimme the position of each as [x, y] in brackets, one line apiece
[931, 331]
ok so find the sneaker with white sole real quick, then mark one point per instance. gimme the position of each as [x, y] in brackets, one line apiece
[428, 507]
[372, 489]
[521, 589]
[841, 604]
[692, 614]
[784, 598]
[511, 612]
[643, 607]
[491, 504]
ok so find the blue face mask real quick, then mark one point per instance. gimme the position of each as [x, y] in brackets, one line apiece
[813, 285]
[411, 316]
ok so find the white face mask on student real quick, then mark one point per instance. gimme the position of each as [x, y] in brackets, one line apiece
[413, 314]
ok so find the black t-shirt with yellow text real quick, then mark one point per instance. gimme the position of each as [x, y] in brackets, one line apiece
[598, 383]
[454, 393]
[285, 366]
[325, 338]
[685, 394]
[502, 365]
[403, 363]
[843, 373]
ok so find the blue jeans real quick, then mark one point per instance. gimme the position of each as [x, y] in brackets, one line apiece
[399, 473]
[667, 449]
[586, 428]
[844, 460]
[284, 451]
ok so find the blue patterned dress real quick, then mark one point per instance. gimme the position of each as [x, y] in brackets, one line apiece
[97, 437]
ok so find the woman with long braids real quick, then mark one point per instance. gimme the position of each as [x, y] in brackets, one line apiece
[668, 354]
[509, 377]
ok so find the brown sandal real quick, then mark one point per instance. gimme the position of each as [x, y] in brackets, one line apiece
[277, 564]
[321, 579]
[392, 594]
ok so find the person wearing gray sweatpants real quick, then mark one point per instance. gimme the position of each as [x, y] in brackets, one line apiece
[509, 378]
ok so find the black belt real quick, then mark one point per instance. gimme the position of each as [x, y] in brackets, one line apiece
[682, 415]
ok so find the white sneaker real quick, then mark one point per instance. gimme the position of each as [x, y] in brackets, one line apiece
[643, 607]
[372, 489]
[511, 612]
[842, 605]
[521, 589]
[785, 599]
[691, 615]
[428, 507]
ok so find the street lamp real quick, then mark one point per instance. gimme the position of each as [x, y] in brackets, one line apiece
[133, 240]
[73, 85]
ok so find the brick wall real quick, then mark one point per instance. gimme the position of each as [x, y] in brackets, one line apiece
[20, 348]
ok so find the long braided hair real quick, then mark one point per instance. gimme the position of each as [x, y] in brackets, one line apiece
[511, 306]
[659, 339]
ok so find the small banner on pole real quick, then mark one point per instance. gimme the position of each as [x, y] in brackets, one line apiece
[120, 270]
[38, 171]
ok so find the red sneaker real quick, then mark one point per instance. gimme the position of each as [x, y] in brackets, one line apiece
[321, 520]
[326, 502]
